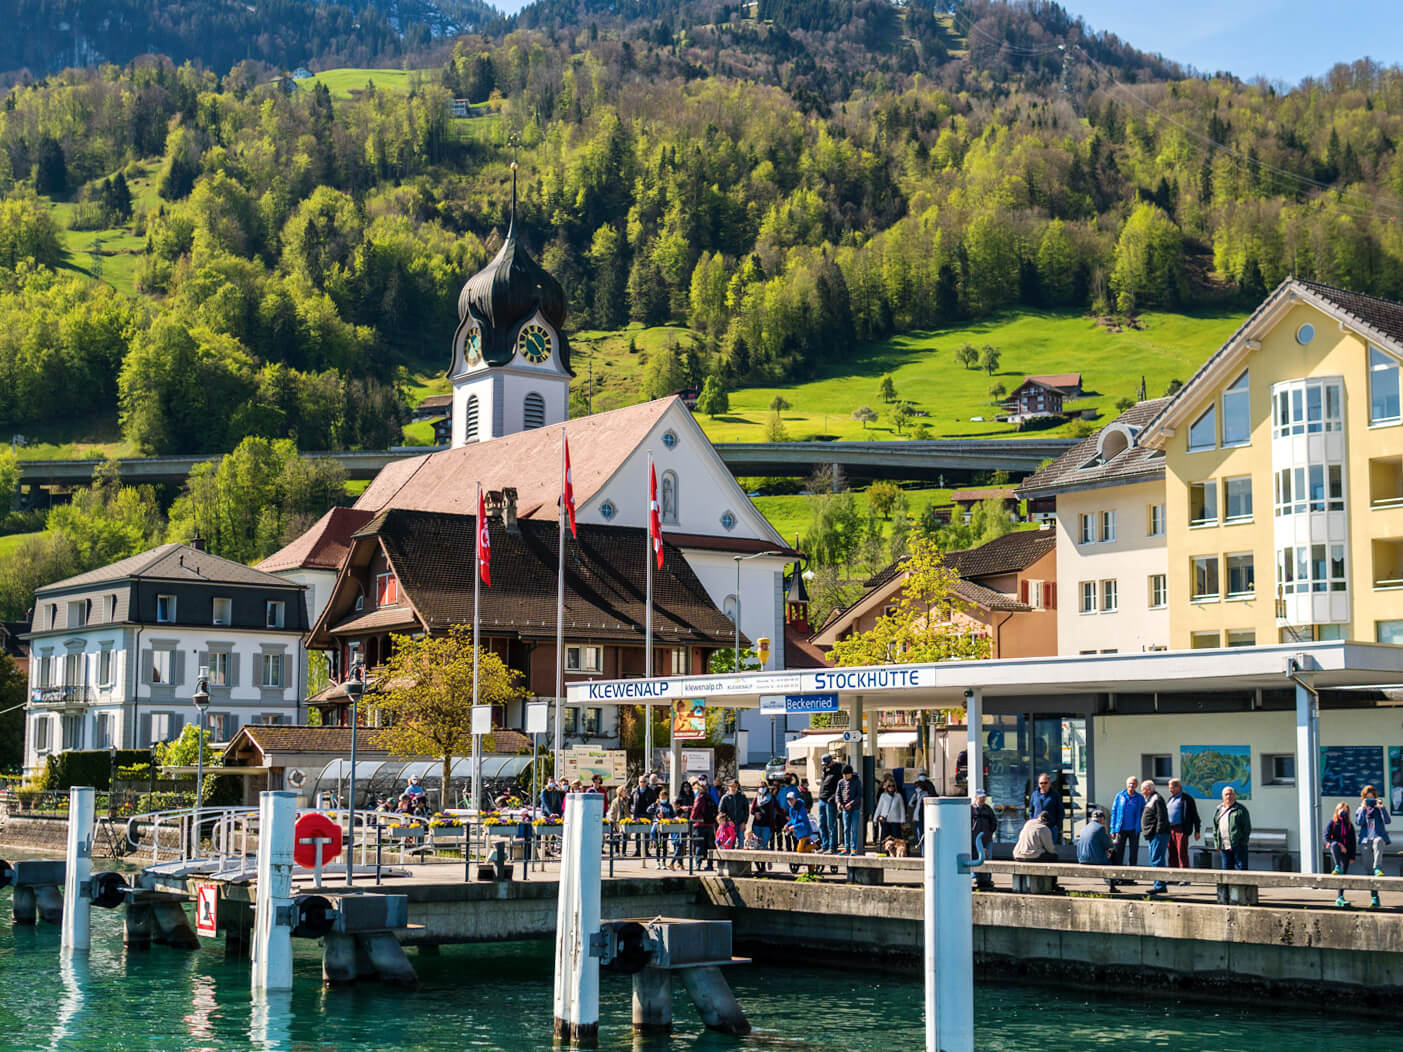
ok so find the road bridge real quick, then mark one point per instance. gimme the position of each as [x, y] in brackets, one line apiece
[903, 461]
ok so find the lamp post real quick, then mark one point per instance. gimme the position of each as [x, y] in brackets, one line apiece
[201, 702]
[740, 559]
[355, 687]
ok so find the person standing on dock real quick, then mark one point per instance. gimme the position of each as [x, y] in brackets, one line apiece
[1183, 823]
[1154, 829]
[983, 827]
[1372, 820]
[703, 825]
[828, 835]
[1046, 799]
[1340, 845]
[1233, 824]
[552, 800]
[1126, 811]
[643, 799]
[735, 805]
[849, 799]
[890, 814]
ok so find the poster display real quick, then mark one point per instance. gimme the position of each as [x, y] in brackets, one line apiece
[1206, 770]
[1346, 769]
[1395, 777]
[584, 763]
[689, 720]
[694, 762]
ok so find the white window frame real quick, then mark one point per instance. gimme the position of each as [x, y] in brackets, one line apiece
[224, 603]
[1227, 575]
[1209, 489]
[169, 602]
[584, 659]
[1155, 525]
[385, 583]
[1207, 561]
[1108, 527]
[1110, 595]
[1237, 397]
[1158, 589]
[1228, 517]
[1240, 633]
[272, 661]
[162, 664]
[274, 614]
[78, 613]
[1209, 417]
[1087, 597]
[1384, 368]
[1086, 528]
[42, 731]
[106, 663]
[218, 669]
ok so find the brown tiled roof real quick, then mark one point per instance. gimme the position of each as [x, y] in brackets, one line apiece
[385, 617]
[604, 580]
[304, 739]
[323, 546]
[987, 597]
[1062, 381]
[441, 401]
[172, 562]
[528, 460]
[960, 496]
[799, 652]
[1383, 316]
[1016, 550]
[1079, 467]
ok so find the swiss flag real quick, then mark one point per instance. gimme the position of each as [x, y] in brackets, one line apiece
[655, 522]
[484, 542]
[568, 491]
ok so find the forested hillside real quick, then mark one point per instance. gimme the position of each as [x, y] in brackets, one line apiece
[787, 184]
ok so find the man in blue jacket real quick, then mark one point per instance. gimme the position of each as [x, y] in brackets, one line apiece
[1045, 798]
[1094, 845]
[1126, 813]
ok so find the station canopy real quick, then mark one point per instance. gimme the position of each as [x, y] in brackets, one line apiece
[1336, 665]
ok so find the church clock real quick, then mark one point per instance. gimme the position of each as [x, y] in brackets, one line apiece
[534, 344]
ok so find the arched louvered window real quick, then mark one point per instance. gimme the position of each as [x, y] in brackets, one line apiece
[470, 431]
[669, 496]
[534, 411]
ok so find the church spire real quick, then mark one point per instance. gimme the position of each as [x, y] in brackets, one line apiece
[514, 141]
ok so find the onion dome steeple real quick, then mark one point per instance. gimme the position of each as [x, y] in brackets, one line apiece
[506, 294]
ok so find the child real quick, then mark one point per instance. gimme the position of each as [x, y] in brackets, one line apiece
[799, 825]
[661, 810]
[725, 832]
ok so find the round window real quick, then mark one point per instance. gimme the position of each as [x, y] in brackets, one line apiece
[728, 520]
[1305, 334]
[670, 439]
[607, 509]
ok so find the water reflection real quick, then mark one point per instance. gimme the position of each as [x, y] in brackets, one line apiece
[270, 1023]
[73, 974]
[199, 1021]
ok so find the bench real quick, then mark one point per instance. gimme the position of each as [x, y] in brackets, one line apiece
[1272, 841]
[872, 870]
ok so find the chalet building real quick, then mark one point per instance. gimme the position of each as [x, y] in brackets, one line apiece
[965, 500]
[1066, 384]
[411, 573]
[1007, 590]
[116, 653]
[510, 372]
[1033, 398]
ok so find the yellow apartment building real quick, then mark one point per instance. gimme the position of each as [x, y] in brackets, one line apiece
[1283, 463]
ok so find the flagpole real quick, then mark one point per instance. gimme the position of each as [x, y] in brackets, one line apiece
[560, 617]
[477, 596]
[648, 622]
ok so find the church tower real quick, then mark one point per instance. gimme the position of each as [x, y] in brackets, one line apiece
[511, 362]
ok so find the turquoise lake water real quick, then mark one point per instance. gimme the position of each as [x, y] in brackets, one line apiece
[498, 997]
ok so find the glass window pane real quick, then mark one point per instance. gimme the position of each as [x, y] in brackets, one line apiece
[1203, 431]
[1237, 423]
[1314, 411]
[1383, 387]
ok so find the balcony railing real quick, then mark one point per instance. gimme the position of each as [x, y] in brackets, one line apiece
[61, 696]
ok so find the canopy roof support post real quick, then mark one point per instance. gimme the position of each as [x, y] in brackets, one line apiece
[1308, 775]
[974, 747]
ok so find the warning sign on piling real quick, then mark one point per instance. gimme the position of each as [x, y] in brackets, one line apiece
[207, 910]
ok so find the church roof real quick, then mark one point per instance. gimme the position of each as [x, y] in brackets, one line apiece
[322, 547]
[505, 294]
[527, 460]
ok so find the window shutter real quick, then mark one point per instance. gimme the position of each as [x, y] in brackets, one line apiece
[146, 728]
[177, 667]
[233, 668]
[1051, 594]
[150, 664]
[1023, 592]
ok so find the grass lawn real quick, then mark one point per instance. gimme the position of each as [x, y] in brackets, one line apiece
[12, 541]
[344, 83]
[923, 368]
[617, 371]
[120, 249]
[792, 514]
[98, 435]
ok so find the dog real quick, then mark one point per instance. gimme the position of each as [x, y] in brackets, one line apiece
[895, 847]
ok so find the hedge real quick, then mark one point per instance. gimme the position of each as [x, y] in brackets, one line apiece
[88, 767]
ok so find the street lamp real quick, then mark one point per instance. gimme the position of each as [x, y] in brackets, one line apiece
[740, 559]
[201, 701]
[355, 687]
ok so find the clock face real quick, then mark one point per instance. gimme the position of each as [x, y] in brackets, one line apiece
[534, 344]
[472, 346]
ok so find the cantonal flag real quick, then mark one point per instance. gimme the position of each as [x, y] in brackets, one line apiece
[655, 525]
[484, 542]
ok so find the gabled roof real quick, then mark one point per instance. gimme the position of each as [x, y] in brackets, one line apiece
[1037, 381]
[432, 554]
[323, 546]
[800, 652]
[1082, 468]
[528, 460]
[281, 738]
[989, 599]
[172, 562]
[1062, 381]
[1014, 551]
[1379, 321]
[960, 496]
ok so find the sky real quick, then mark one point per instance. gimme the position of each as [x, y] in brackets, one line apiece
[1282, 40]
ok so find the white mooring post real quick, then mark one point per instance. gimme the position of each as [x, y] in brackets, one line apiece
[77, 891]
[272, 928]
[577, 921]
[949, 921]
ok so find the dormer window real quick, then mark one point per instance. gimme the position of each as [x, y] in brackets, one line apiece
[274, 612]
[386, 589]
[165, 608]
